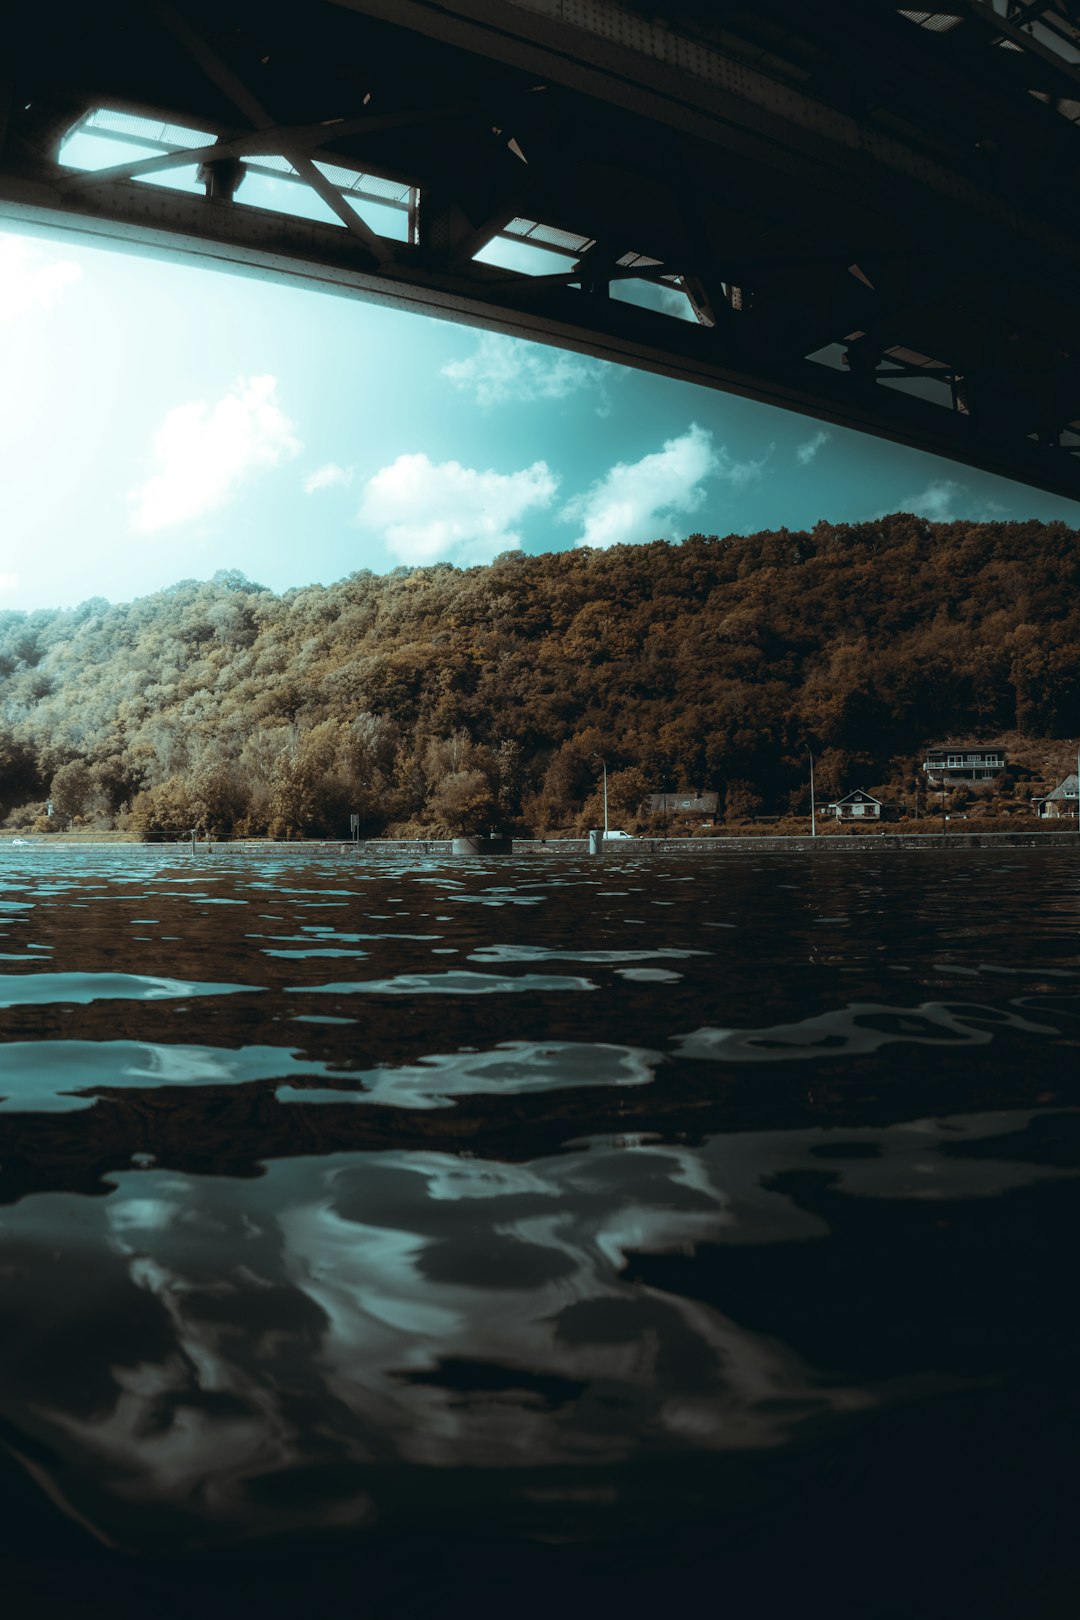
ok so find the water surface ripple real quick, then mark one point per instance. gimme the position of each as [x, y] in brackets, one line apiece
[610, 1219]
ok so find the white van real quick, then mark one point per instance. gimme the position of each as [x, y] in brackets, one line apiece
[614, 834]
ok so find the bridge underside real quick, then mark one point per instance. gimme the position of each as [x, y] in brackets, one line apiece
[855, 210]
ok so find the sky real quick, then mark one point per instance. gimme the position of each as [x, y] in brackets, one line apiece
[162, 421]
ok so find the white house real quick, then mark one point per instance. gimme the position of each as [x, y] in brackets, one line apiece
[857, 806]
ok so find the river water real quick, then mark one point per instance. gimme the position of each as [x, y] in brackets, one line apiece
[546, 1228]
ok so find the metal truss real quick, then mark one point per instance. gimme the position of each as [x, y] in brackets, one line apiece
[856, 210]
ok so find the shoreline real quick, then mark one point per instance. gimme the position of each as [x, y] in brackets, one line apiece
[795, 843]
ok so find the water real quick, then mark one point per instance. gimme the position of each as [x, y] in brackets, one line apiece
[540, 1228]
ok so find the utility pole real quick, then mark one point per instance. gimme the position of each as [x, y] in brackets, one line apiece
[813, 812]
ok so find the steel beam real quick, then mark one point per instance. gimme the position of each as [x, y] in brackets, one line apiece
[794, 213]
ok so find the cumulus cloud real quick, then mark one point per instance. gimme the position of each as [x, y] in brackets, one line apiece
[31, 277]
[443, 512]
[327, 477]
[635, 500]
[943, 501]
[203, 453]
[805, 452]
[504, 370]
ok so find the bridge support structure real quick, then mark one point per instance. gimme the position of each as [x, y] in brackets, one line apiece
[840, 210]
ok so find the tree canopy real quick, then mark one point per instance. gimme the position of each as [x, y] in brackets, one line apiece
[433, 699]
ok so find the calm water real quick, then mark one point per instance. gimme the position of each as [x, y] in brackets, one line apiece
[539, 1229]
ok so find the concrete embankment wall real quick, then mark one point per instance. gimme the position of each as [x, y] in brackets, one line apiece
[828, 844]
[442, 848]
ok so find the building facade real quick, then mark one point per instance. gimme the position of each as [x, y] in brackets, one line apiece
[964, 762]
[1062, 801]
[856, 806]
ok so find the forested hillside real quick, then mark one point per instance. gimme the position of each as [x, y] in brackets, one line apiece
[433, 699]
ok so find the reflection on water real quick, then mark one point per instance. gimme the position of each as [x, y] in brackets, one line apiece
[862, 1027]
[450, 984]
[53, 989]
[62, 1076]
[760, 1221]
[513, 1068]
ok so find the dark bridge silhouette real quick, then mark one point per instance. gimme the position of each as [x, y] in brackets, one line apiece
[860, 211]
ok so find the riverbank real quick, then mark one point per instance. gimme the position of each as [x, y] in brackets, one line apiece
[829, 843]
[838, 843]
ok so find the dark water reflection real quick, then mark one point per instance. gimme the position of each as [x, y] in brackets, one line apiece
[593, 1225]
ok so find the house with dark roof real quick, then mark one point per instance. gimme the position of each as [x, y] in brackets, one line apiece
[1061, 802]
[856, 806]
[964, 762]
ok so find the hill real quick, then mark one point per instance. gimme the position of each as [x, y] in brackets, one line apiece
[431, 699]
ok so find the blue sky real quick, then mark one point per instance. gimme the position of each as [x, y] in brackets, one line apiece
[161, 421]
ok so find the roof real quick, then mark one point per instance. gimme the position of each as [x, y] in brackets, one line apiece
[857, 796]
[1066, 789]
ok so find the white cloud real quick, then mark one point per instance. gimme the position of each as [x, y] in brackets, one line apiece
[805, 452]
[944, 500]
[739, 473]
[9, 582]
[31, 277]
[204, 452]
[936, 501]
[635, 500]
[444, 512]
[327, 477]
[504, 370]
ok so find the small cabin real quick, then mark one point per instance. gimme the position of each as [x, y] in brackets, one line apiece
[1061, 802]
[964, 762]
[857, 806]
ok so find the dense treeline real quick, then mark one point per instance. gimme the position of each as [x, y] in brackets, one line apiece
[433, 699]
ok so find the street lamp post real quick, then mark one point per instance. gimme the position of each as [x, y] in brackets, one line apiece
[603, 763]
[813, 812]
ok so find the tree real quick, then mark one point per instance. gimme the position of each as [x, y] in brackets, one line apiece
[627, 791]
[712, 664]
[463, 802]
[70, 792]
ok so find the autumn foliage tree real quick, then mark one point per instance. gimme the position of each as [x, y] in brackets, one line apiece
[437, 699]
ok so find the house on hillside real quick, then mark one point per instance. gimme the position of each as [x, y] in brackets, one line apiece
[1061, 802]
[700, 808]
[857, 806]
[964, 762]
